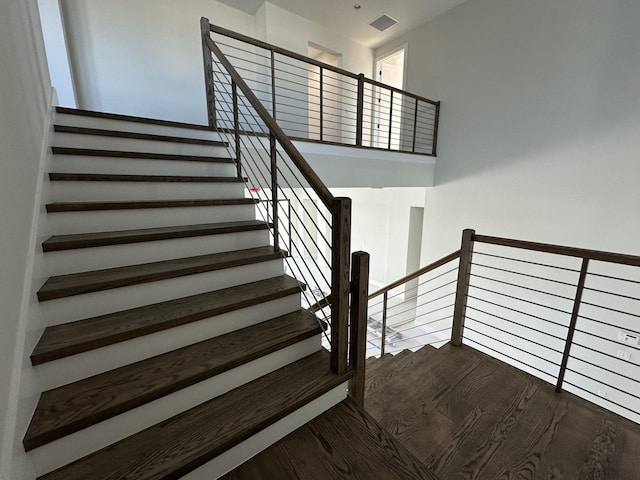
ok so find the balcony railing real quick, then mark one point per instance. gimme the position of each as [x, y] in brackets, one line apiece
[317, 102]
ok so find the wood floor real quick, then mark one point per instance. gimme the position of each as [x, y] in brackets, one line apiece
[343, 443]
[468, 416]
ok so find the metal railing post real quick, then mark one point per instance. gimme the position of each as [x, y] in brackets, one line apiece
[236, 127]
[273, 84]
[358, 330]
[274, 190]
[434, 144]
[390, 120]
[205, 28]
[360, 110]
[462, 287]
[383, 333]
[321, 103]
[340, 251]
[415, 127]
[572, 323]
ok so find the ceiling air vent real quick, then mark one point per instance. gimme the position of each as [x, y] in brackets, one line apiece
[383, 22]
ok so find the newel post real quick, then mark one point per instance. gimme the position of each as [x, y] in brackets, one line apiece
[462, 288]
[205, 29]
[358, 327]
[341, 249]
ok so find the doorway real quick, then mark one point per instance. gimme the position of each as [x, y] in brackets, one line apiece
[388, 108]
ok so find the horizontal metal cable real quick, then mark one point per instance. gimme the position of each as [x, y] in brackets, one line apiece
[603, 398]
[512, 334]
[604, 383]
[635, 380]
[470, 307]
[602, 322]
[527, 262]
[518, 311]
[510, 357]
[610, 309]
[525, 274]
[591, 334]
[605, 292]
[529, 289]
[521, 299]
[628, 280]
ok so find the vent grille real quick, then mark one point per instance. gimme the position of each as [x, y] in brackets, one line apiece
[383, 22]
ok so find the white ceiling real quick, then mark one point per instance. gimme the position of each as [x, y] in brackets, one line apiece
[342, 17]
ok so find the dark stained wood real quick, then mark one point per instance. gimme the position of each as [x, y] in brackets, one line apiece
[434, 145]
[358, 324]
[101, 239]
[561, 250]
[129, 118]
[101, 177]
[205, 32]
[469, 416]
[340, 253]
[236, 124]
[342, 443]
[78, 283]
[283, 139]
[178, 445]
[127, 205]
[137, 136]
[83, 335]
[73, 407]
[360, 109]
[572, 323]
[92, 152]
[462, 288]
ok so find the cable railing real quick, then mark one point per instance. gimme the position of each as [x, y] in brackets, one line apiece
[317, 102]
[308, 224]
[568, 316]
[414, 311]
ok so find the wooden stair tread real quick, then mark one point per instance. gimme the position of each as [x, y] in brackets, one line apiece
[343, 442]
[180, 444]
[84, 282]
[102, 177]
[92, 152]
[100, 239]
[130, 118]
[80, 336]
[396, 365]
[138, 136]
[75, 406]
[129, 205]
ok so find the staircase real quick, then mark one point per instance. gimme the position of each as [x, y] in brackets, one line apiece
[176, 346]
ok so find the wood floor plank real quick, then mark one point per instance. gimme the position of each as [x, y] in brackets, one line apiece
[78, 283]
[60, 207]
[101, 239]
[103, 177]
[343, 443]
[138, 136]
[72, 407]
[80, 336]
[180, 444]
[93, 152]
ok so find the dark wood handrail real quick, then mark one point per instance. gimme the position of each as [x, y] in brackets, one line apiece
[417, 273]
[561, 250]
[303, 58]
[296, 157]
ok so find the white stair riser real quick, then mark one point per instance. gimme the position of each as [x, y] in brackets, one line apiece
[242, 452]
[64, 223]
[99, 142]
[97, 258]
[73, 191]
[134, 127]
[139, 166]
[88, 305]
[79, 444]
[83, 365]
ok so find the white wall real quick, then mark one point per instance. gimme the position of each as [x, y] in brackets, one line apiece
[24, 99]
[57, 54]
[538, 134]
[540, 114]
[144, 57]
[380, 226]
